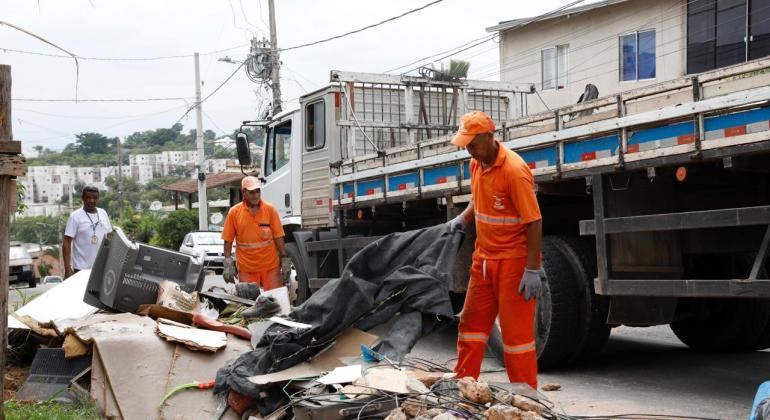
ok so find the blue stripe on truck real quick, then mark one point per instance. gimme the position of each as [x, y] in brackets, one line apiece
[440, 175]
[590, 149]
[659, 133]
[740, 118]
[373, 186]
[534, 157]
[404, 181]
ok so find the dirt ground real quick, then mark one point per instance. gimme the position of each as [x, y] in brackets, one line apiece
[14, 378]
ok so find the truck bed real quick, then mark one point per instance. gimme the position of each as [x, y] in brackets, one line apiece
[711, 115]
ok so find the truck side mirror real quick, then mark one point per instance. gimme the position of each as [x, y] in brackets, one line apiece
[242, 148]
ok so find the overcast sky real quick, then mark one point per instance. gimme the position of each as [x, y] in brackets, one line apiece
[155, 28]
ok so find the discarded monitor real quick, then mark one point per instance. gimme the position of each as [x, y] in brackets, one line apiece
[126, 274]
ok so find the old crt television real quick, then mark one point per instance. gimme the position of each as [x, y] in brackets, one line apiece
[127, 274]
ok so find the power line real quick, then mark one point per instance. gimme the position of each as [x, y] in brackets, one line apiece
[492, 36]
[102, 100]
[308, 44]
[213, 92]
[168, 57]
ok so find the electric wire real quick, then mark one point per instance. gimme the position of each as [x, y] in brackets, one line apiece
[355, 31]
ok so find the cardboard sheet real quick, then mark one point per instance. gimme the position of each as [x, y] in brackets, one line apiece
[341, 375]
[347, 344]
[65, 300]
[192, 338]
[129, 356]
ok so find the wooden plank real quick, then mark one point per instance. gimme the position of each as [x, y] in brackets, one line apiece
[658, 102]
[735, 70]
[7, 195]
[12, 165]
[657, 89]
[548, 115]
[599, 116]
[723, 87]
[10, 147]
[592, 104]
[531, 131]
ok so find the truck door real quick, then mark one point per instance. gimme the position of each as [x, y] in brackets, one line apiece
[277, 167]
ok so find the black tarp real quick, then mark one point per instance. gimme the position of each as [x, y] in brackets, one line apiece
[403, 275]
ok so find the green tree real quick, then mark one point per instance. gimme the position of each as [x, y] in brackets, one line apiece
[94, 143]
[172, 229]
[21, 190]
[36, 229]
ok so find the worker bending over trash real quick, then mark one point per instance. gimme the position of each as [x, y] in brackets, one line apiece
[256, 228]
[505, 274]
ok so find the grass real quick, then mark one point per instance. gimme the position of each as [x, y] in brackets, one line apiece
[50, 410]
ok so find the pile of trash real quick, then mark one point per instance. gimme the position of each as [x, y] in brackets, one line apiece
[136, 365]
[414, 389]
[235, 352]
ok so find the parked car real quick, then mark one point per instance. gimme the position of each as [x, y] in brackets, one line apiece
[208, 245]
[20, 264]
[51, 279]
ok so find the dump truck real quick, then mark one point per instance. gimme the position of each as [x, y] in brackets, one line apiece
[655, 201]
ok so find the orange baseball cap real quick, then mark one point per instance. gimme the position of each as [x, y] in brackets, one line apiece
[251, 183]
[472, 123]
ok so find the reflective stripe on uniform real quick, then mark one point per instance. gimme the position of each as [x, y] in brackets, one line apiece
[472, 336]
[254, 244]
[494, 220]
[521, 348]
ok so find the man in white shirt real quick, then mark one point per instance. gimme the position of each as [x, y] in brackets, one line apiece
[84, 232]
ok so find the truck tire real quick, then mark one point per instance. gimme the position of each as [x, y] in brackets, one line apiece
[302, 291]
[722, 324]
[556, 317]
[593, 330]
[556, 320]
[32, 282]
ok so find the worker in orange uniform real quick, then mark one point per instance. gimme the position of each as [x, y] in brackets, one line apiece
[255, 226]
[505, 274]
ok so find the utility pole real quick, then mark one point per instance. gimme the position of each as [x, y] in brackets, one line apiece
[275, 77]
[120, 178]
[11, 166]
[203, 203]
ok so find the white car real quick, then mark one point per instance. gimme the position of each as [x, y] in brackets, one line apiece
[206, 245]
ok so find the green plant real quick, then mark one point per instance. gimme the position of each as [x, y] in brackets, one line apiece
[459, 68]
[171, 231]
[44, 269]
[80, 409]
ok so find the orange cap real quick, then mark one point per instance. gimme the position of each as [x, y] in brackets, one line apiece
[472, 123]
[251, 183]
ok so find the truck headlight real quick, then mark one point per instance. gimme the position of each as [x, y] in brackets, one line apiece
[26, 268]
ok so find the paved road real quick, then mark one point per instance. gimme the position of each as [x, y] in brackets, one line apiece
[642, 370]
[19, 293]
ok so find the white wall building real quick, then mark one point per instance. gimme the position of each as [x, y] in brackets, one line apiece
[619, 45]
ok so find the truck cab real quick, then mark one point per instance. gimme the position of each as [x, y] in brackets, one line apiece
[282, 166]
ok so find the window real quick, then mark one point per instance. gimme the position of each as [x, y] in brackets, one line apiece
[315, 119]
[717, 33]
[637, 56]
[554, 67]
[278, 147]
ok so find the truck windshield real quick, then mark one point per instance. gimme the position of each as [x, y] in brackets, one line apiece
[212, 238]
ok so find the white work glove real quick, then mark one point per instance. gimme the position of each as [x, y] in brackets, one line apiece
[228, 271]
[458, 223]
[285, 269]
[530, 286]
